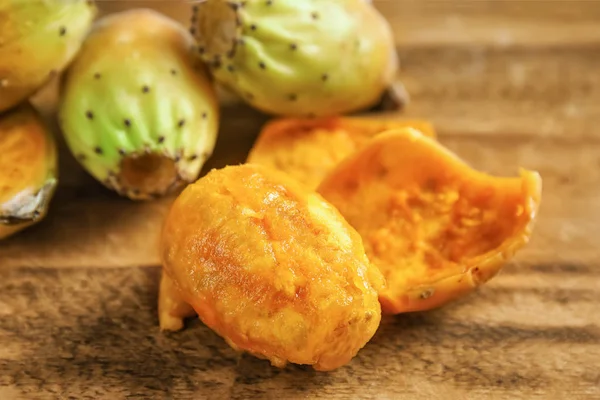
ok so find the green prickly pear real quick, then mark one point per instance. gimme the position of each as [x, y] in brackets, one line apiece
[138, 108]
[298, 58]
[38, 39]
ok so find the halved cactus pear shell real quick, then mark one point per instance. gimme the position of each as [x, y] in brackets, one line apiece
[436, 228]
[38, 38]
[309, 148]
[138, 109]
[298, 58]
[28, 169]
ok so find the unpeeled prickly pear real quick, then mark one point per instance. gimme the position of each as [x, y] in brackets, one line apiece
[138, 109]
[298, 58]
[28, 169]
[38, 38]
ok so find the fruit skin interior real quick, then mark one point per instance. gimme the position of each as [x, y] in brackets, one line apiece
[29, 169]
[270, 266]
[434, 226]
[308, 149]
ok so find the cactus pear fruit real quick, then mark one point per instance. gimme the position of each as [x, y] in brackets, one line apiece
[138, 109]
[269, 266]
[29, 169]
[38, 39]
[298, 58]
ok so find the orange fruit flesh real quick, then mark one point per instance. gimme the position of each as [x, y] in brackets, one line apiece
[435, 227]
[269, 266]
[308, 149]
[24, 148]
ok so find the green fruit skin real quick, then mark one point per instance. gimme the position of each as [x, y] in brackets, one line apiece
[136, 87]
[307, 58]
[38, 39]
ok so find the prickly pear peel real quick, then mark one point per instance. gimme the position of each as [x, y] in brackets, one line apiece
[28, 168]
[308, 149]
[436, 228]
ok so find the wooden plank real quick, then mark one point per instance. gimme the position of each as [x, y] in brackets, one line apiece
[519, 91]
[93, 333]
[492, 23]
[424, 23]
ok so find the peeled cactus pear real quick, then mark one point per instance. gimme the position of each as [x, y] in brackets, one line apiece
[298, 58]
[28, 169]
[38, 38]
[138, 108]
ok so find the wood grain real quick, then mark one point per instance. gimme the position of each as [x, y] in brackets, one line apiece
[508, 84]
[93, 333]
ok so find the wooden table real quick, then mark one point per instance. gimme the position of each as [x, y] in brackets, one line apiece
[507, 83]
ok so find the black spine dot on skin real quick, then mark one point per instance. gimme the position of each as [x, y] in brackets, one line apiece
[127, 122]
[89, 115]
[97, 150]
[181, 123]
[204, 115]
[262, 65]
[315, 15]
[293, 97]
[293, 46]
[145, 89]
[269, 2]
[230, 68]
[192, 31]
[62, 31]
[324, 77]
[122, 152]
[173, 72]
[253, 27]
[161, 139]
[97, 75]
[81, 157]
[201, 50]
[192, 157]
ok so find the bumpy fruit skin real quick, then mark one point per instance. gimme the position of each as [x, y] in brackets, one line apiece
[28, 169]
[435, 227]
[307, 149]
[298, 58]
[135, 92]
[271, 267]
[38, 38]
